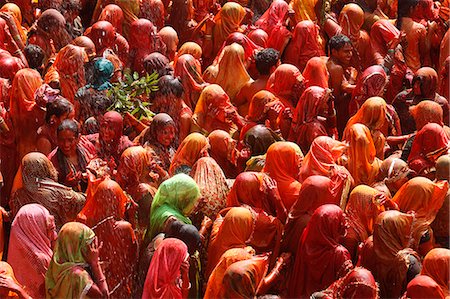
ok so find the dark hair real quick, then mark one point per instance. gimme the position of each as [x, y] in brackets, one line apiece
[72, 5]
[92, 102]
[35, 56]
[58, 108]
[168, 84]
[266, 59]
[69, 124]
[186, 233]
[337, 42]
[403, 10]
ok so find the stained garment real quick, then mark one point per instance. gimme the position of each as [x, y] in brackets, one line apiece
[362, 162]
[430, 143]
[304, 45]
[213, 186]
[250, 48]
[25, 113]
[320, 259]
[191, 48]
[282, 83]
[163, 275]
[112, 13]
[425, 198]
[68, 71]
[306, 125]
[232, 59]
[36, 183]
[215, 111]
[130, 10]
[363, 207]
[316, 72]
[436, 264]
[304, 10]
[257, 190]
[188, 69]
[445, 79]
[423, 286]
[322, 159]
[381, 33]
[227, 21]
[67, 275]
[14, 11]
[260, 104]
[30, 247]
[223, 150]
[415, 38]
[283, 162]
[273, 23]
[193, 147]
[259, 138]
[316, 190]
[176, 197]
[154, 11]
[232, 232]
[7, 271]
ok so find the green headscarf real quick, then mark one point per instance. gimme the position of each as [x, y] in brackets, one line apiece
[61, 280]
[176, 197]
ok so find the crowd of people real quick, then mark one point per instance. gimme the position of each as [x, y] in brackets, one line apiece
[296, 149]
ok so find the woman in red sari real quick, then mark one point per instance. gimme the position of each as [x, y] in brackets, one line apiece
[423, 286]
[168, 274]
[381, 34]
[362, 162]
[272, 22]
[436, 265]
[430, 143]
[215, 111]
[264, 107]
[223, 150]
[314, 116]
[287, 83]
[283, 163]
[143, 40]
[193, 147]
[188, 69]
[304, 45]
[104, 213]
[68, 71]
[425, 198]
[316, 190]
[323, 159]
[26, 115]
[257, 190]
[316, 72]
[320, 259]
[112, 13]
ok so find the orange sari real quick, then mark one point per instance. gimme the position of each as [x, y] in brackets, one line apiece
[193, 147]
[283, 161]
[287, 83]
[425, 198]
[362, 161]
[436, 264]
[316, 72]
[226, 21]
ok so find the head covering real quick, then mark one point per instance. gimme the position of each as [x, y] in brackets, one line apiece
[234, 231]
[373, 114]
[423, 287]
[53, 22]
[193, 147]
[257, 190]
[215, 111]
[282, 82]
[316, 72]
[112, 13]
[223, 150]
[154, 11]
[103, 71]
[242, 40]
[259, 138]
[134, 168]
[66, 276]
[304, 10]
[242, 279]
[159, 122]
[259, 106]
[188, 69]
[15, 12]
[428, 79]
[320, 258]
[430, 143]
[181, 17]
[304, 44]
[316, 190]
[371, 83]
[443, 168]
[381, 33]
[35, 167]
[362, 163]
[358, 283]
[426, 112]
[9, 66]
[436, 264]
[227, 21]
[86, 43]
[25, 83]
[283, 161]
[259, 37]
[213, 186]
[130, 9]
[425, 198]
[189, 48]
[165, 269]
[103, 35]
[175, 197]
[273, 16]
[170, 37]
[108, 200]
[115, 119]
[157, 62]
[351, 20]
[30, 247]
[232, 59]
[230, 257]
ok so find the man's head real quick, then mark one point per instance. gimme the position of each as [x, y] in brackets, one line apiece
[35, 57]
[267, 61]
[341, 49]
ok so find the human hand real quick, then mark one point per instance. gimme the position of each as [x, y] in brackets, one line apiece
[93, 252]
[73, 178]
[8, 283]
[206, 222]
[184, 270]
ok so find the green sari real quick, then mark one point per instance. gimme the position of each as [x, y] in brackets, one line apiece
[66, 275]
[175, 197]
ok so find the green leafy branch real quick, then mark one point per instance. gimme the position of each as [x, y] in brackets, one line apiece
[128, 95]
